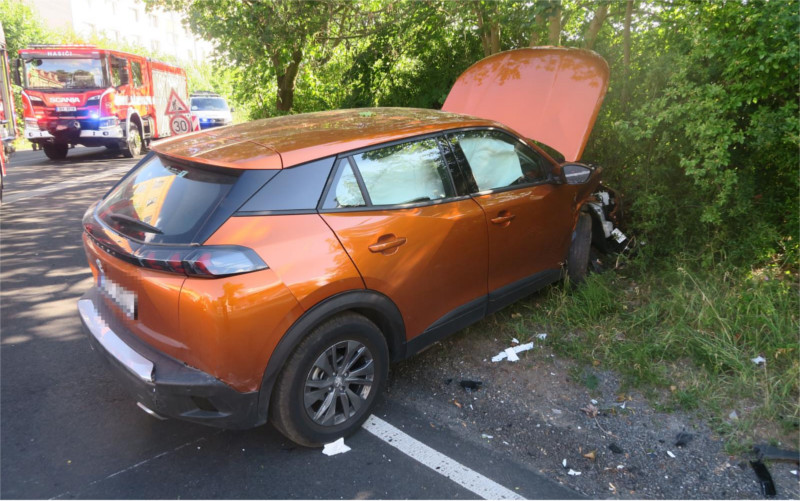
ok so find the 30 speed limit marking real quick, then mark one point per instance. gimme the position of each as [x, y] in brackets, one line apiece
[180, 124]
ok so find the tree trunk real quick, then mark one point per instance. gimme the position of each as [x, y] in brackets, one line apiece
[494, 38]
[490, 31]
[626, 53]
[554, 19]
[285, 97]
[595, 25]
[541, 27]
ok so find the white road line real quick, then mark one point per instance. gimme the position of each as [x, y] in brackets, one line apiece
[64, 184]
[438, 462]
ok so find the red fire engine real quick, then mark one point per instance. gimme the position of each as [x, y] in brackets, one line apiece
[8, 130]
[82, 94]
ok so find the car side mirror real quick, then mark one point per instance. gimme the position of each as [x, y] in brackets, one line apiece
[575, 173]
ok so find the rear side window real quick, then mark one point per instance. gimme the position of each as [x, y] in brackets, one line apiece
[405, 173]
[164, 203]
[498, 160]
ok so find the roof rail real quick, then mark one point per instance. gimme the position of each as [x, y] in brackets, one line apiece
[204, 93]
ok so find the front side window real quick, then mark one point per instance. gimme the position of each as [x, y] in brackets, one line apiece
[405, 173]
[64, 73]
[498, 160]
[136, 71]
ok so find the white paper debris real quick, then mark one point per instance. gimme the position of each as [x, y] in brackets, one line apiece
[564, 463]
[594, 402]
[759, 360]
[573, 472]
[733, 416]
[620, 467]
[793, 472]
[516, 349]
[484, 435]
[511, 355]
[541, 336]
[515, 340]
[618, 235]
[334, 448]
[506, 443]
[670, 454]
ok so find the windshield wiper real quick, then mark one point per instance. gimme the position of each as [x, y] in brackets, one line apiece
[122, 218]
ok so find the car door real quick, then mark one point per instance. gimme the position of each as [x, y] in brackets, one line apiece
[528, 216]
[412, 237]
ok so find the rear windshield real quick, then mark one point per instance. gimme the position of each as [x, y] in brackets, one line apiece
[162, 203]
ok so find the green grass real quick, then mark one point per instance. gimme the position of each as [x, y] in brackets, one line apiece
[692, 334]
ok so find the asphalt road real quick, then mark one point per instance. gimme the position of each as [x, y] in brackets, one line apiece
[67, 429]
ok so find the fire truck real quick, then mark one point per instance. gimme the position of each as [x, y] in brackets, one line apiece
[8, 129]
[82, 94]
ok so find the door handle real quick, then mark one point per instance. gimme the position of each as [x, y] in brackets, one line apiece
[387, 244]
[503, 218]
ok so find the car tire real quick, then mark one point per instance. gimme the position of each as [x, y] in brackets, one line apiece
[578, 258]
[133, 142]
[56, 151]
[329, 384]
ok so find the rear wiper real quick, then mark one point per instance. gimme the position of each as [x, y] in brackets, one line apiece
[122, 218]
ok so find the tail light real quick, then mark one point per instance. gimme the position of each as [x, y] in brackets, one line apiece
[212, 261]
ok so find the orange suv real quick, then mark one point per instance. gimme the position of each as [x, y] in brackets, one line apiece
[273, 269]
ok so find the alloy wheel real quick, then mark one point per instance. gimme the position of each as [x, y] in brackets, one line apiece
[338, 383]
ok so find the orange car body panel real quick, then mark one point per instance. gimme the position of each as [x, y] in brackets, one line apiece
[441, 265]
[549, 94]
[234, 324]
[300, 249]
[158, 293]
[290, 140]
[535, 239]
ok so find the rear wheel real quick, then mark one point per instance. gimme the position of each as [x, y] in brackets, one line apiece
[578, 258]
[329, 384]
[56, 151]
[133, 143]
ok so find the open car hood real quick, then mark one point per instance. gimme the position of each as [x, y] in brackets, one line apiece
[549, 94]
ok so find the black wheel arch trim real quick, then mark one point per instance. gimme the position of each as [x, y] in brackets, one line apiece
[372, 304]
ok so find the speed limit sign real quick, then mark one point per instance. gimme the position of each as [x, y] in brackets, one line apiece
[180, 124]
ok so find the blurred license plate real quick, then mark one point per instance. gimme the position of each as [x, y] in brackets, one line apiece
[122, 297]
[66, 108]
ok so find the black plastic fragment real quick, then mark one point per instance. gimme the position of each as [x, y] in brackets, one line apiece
[616, 449]
[767, 485]
[683, 439]
[469, 384]
[775, 454]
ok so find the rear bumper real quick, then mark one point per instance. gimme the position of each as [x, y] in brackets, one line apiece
[161, 383]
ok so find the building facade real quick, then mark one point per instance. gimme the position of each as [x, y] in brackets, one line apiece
[124, 21]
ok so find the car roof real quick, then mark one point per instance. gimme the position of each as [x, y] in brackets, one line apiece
[281, 142]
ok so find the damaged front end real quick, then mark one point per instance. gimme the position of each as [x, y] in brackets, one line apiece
[606, 208]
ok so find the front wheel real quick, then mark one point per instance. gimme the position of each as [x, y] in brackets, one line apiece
[329, 384]
[578, 258]
[56, 151]
[133, 143]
